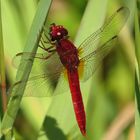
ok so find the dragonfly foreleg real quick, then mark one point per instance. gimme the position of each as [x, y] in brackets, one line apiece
[44, 42]
[48, 40]
[47, 49]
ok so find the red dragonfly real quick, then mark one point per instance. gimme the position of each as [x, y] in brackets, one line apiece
[65, 61]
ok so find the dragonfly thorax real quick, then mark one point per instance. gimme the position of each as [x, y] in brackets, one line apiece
[57, 32]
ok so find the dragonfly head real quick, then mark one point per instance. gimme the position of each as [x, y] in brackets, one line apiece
[57, 32]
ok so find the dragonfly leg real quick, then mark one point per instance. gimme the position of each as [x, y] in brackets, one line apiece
[48, 40]
[53, 50]
[47, 49]
[46, 56]
[43, 42]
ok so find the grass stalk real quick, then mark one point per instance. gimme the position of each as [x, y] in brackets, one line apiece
[30, 46]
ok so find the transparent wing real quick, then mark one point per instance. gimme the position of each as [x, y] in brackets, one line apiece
[93, 50]
[43, 62]
[90, 63]
[44, 76]
[42, 85]
[110, 29]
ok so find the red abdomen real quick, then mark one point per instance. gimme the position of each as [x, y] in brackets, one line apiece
[77, 99]
[69, 58]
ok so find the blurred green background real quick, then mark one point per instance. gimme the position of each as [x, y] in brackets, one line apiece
[108, 94]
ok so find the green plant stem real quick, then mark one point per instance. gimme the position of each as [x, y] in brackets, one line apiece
[31, 46]
[2, 68]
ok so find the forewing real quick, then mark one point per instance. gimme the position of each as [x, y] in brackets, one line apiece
[110, 29]
[93, 50]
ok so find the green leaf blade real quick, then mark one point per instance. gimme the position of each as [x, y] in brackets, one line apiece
[31, 45]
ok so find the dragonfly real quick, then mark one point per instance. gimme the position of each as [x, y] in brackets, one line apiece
[63, 60]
